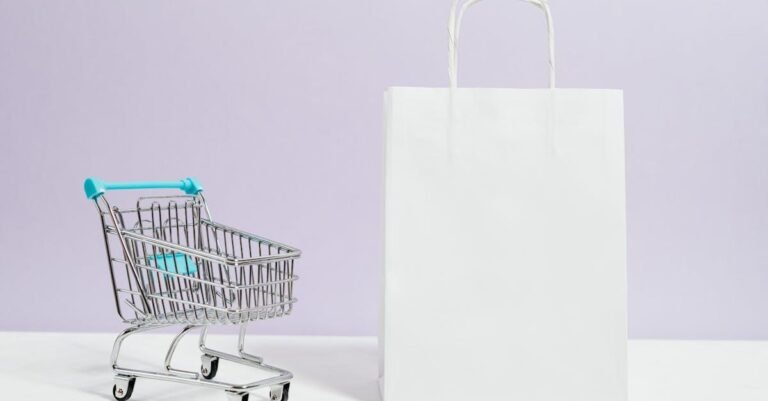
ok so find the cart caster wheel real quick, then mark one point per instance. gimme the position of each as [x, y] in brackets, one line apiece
[237, 396]
[209, 367]
[123, 388]
[280, 392]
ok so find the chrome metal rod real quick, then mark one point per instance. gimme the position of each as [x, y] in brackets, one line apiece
[125, 334]
[281, 378]
[174, 344]
[241, 346]
[128, 256]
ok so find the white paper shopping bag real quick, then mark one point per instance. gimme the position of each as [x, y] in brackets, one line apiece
[505, 242]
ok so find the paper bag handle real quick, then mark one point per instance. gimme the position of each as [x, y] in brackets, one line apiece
[454, 28]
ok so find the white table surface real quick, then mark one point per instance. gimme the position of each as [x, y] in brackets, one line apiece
[67, 366]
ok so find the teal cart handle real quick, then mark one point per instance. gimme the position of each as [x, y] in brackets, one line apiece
[95, 187]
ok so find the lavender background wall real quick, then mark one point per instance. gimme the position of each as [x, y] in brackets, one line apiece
[276, 108]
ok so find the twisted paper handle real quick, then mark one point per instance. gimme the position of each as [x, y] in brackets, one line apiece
[454, 29]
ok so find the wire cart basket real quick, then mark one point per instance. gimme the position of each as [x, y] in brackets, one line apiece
[171, 264]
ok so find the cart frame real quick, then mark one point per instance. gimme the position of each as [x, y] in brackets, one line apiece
[194, 284]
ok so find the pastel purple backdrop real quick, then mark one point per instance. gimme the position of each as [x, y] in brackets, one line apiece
[277, 108]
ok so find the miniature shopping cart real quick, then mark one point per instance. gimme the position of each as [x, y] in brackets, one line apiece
[171, 264]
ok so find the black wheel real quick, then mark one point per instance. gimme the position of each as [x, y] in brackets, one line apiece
[210, 373]
[281, 395]
[285, 391]
[123, 394]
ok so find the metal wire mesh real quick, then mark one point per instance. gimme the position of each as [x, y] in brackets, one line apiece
[170, 263]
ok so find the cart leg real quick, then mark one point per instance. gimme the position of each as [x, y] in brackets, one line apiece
[209, 360]
[241, 347]
[172, 350]
[125, 378]
[122, 336]
[233, 396]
